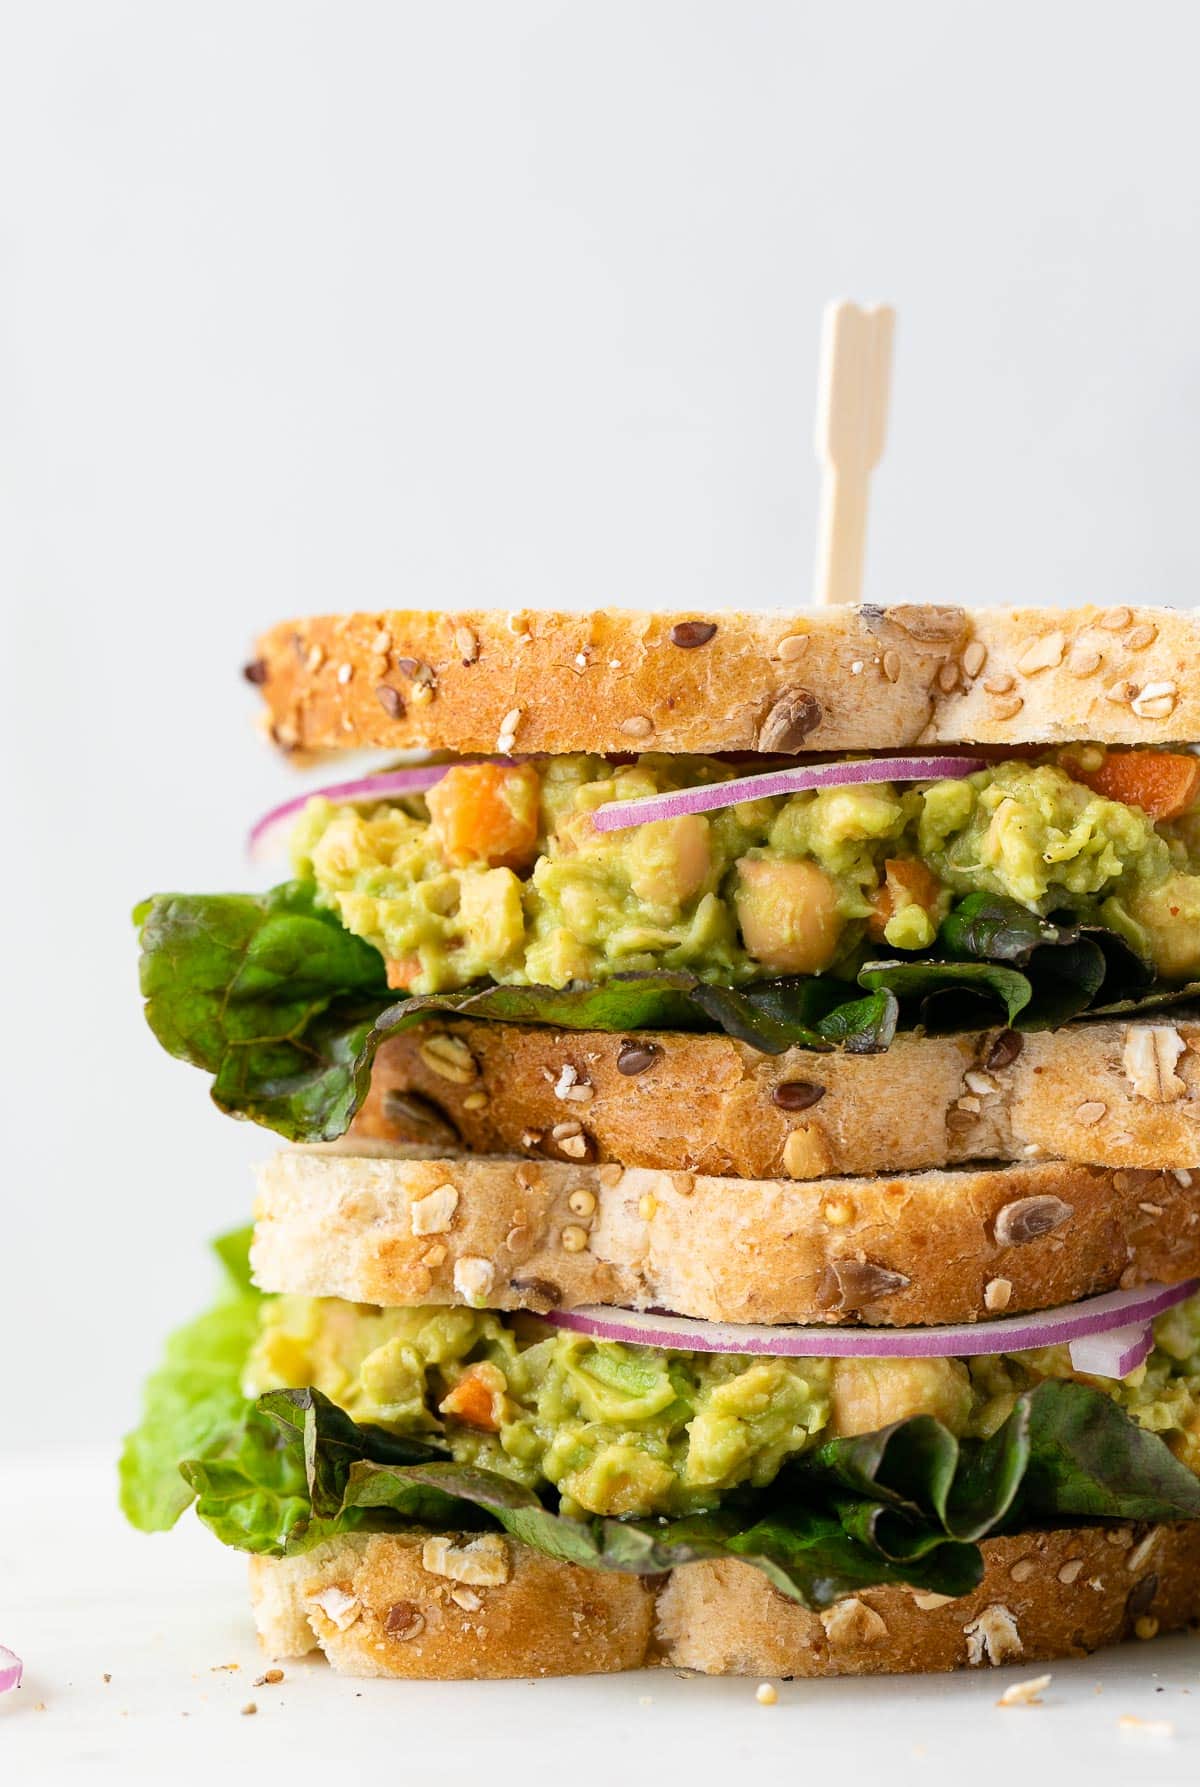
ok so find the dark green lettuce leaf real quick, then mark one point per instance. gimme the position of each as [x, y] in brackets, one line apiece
[997, 929]
[864, 1026]
[269, 994]
[772, 1015]
[285, 1009]
[1087, 1458]
[809, 1552]
[944, 996]
[1068, 967]
[909, 1503]
[332, 1442]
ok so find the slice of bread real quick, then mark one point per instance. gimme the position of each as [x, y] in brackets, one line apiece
[1120, 1094]
[946, 1246]
[814, 679]
[375, 1606]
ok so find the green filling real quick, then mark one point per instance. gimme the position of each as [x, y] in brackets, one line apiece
[621, 1430]
[786, 885]
[285, 1007]
[907, 1502]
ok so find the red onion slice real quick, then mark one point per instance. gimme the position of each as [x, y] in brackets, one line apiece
[1107, 1330]
[270, 828]
[617, 815]
[10, 1670]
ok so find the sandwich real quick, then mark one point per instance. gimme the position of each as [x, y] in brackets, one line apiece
[739, 1203]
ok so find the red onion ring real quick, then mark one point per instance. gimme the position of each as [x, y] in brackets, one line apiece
[10, 1670]
[1107, 1330]
[617, 815]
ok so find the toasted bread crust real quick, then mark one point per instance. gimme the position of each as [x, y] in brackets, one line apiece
[547, 1618]
[813, 679]
[1044, 1595]
[507, 1234]
[1088, 1093]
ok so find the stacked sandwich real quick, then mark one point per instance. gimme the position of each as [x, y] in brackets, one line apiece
[742, 1098]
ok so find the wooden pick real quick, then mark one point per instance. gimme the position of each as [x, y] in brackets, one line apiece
[852, 401]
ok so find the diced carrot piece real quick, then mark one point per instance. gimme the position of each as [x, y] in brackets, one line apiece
[487, 812]
[1165, 784]
[478, 1397]
[906, 883]
[402, 971]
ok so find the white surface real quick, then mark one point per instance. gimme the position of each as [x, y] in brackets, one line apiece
[81, 1596]
[307, 305]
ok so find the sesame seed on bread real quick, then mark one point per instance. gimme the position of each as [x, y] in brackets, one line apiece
[393, 1605]
[1116, 1093]
[783, 680]
[942, 1246]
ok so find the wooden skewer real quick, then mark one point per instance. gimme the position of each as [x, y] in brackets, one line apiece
[852, 402]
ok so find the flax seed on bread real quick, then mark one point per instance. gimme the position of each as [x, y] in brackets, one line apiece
[373, 1608]
[784, 680]
[500, 1233]
[1095, 1093]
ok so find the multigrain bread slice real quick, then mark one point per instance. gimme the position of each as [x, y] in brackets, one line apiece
[375, 1606]
[1121, 1094]
[945, 1246]
[785, 680]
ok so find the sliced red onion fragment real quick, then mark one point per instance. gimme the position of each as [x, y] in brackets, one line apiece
[1109, 1336]
[10, 1670]
[617, 815]
[1115, 1353]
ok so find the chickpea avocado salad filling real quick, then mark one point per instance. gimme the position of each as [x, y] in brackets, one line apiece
[498, 873]
[1029, 892]
[286, 1420]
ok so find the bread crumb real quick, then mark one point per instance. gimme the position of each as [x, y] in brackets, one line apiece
[1129, 1722]
[250, 1707]
[1026, 1693]
[766, 1694]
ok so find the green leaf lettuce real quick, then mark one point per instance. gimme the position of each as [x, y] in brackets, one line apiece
[909, 1503]
[285, 1009]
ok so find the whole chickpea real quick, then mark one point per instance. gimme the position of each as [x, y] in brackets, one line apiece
[788, 912]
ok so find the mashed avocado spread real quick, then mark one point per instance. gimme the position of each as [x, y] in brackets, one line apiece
[625, 1430]
[498, 873]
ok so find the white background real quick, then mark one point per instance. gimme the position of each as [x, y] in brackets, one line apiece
[307, 306]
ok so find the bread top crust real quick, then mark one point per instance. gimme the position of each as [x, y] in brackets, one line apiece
[375, 1609]
[784, 680]
[1095, 1093]
[372, 1226]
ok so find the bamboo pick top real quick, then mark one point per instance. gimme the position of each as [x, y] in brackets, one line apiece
[852, 403]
